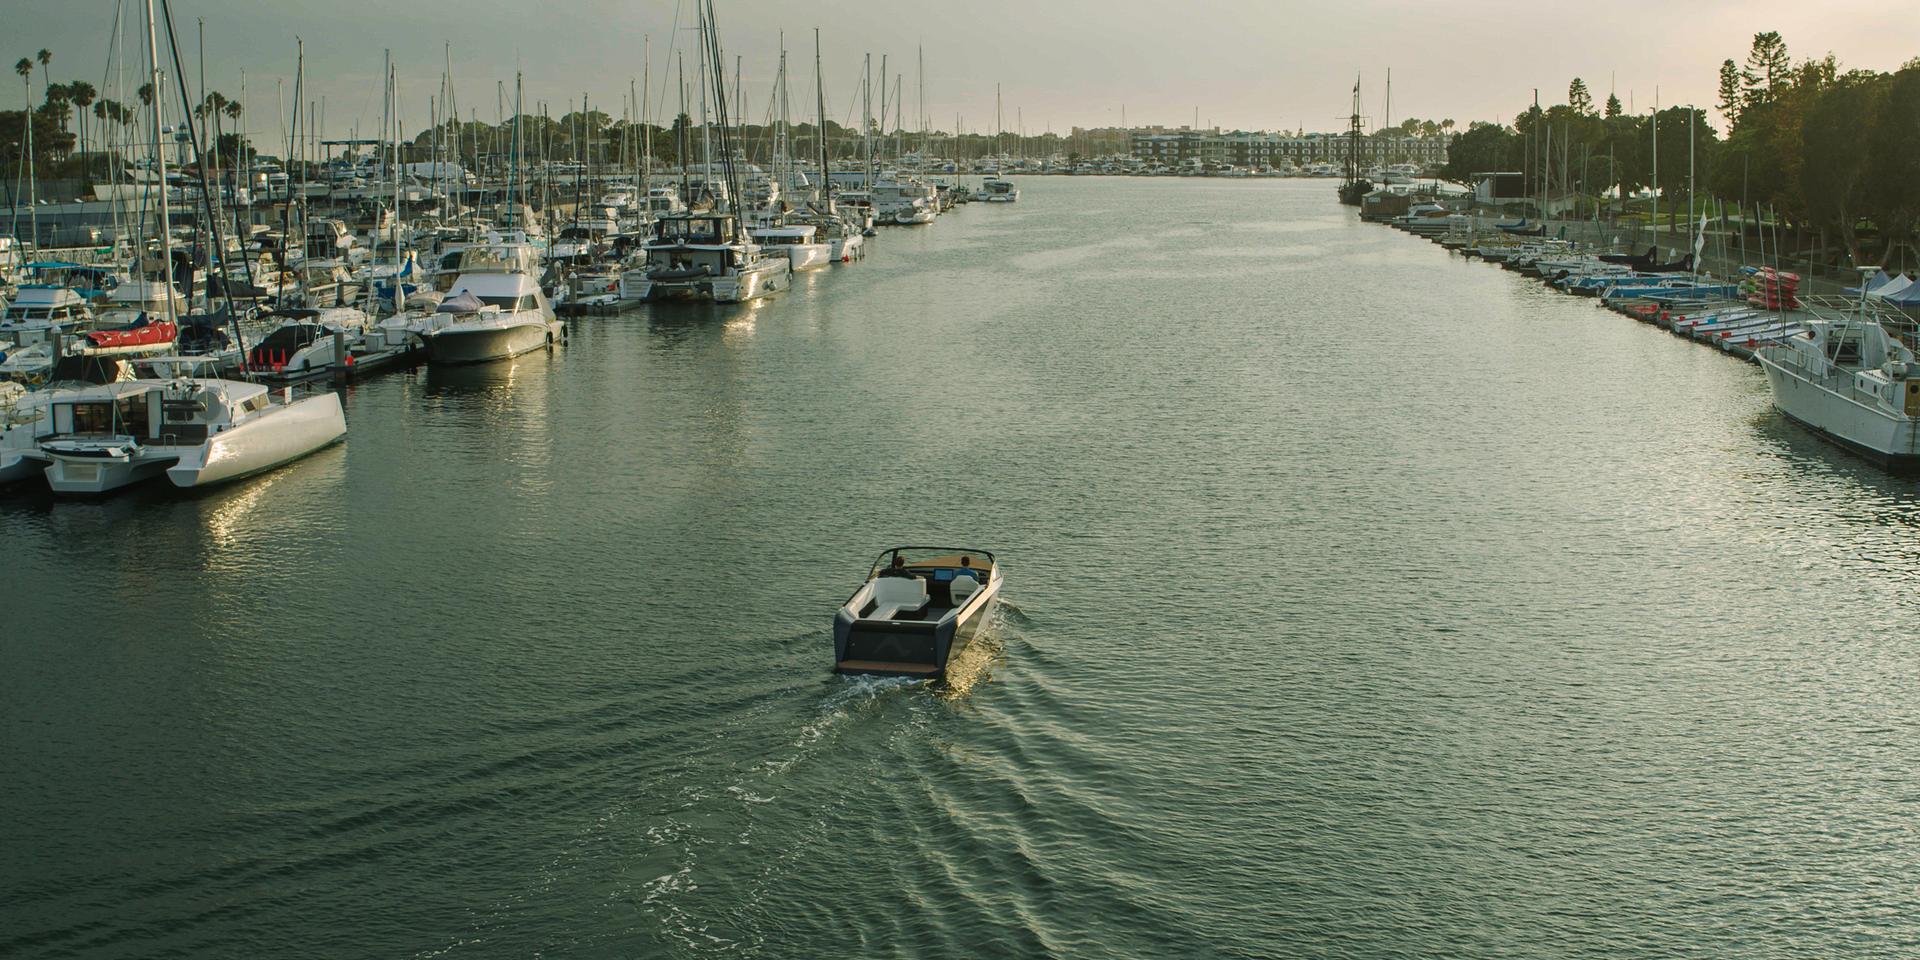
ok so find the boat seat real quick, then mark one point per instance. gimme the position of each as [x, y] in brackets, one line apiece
[963, 587]
[893, 596]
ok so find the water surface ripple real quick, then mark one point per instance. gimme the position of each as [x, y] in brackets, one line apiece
[1363, 602]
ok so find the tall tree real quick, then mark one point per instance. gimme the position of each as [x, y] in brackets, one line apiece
[1892, 184]
[1730, 92]
[1833, 167]
[1578, 98]
[83, 94]
[1768, 69]
[1613, 105]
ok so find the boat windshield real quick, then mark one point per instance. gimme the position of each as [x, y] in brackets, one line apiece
[938, 563]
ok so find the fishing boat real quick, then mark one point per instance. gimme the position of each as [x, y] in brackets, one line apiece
[917, 609]
[1851, 381]
[197, 431]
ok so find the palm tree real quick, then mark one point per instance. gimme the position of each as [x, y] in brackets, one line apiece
[146, 94]
[83, 95]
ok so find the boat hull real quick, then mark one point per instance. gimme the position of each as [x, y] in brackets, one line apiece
[456, 345]
[286, 435]
[88, 476]
[1893, 442]
[906, 648]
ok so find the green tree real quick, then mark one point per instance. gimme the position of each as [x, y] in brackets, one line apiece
[1579, 99]
[1730, 92]
[1833, 172]
[83, 95]
[1892, 183]
[1613, 105]
[1483, 148]
[1768, 69]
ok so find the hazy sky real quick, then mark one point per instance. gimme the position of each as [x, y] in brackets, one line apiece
[1061, 63]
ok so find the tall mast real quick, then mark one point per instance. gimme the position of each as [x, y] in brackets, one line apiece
[160, 162]
[820, 132]
[646, 133]
[866, 119]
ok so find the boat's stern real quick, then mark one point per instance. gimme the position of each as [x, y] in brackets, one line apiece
[888, 648]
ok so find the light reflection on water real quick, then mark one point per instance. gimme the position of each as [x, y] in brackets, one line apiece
[1364, 601]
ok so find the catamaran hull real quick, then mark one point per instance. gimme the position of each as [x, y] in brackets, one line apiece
[286, 435]
[14, 467]
[81, 476]
[770, 278]
[481, 346]
[1891, 441]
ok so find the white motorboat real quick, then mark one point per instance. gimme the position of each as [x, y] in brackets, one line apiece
[917, 609]
[1851, 381]
[803, 248]
[36, 328]
[494, 310]
[197, 431]
[705, 256]
[998, 190]
[131, 300]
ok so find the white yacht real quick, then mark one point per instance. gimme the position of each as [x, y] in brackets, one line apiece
[904, 201]
[705, 256]
[197, 431]
[998, 190]
[494, 310]
[36, 327]
[1851, 381]
[805, 250]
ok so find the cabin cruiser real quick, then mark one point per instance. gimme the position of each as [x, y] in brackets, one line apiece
[494, 310]
[998, 190]
[583, 239]
[663, 202]
[35, 330]
[904, 202]
[198, 431]
[1849, 380]
[134, 299]
[804, 249]
[918, 608]
[704, 256]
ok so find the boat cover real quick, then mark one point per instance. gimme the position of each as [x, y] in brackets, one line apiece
[462, 302]
[139, 333]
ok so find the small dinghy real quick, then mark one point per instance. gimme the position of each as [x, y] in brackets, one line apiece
[918, 608]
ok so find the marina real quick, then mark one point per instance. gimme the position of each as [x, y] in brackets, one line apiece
[750, 521]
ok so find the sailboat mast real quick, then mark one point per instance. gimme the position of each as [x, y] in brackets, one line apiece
[866, 119]
[160, 164]
[820, 133]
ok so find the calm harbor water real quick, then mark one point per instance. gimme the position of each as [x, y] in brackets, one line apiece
[1361, 602]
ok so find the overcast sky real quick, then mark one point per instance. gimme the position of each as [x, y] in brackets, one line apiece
[1250, 64]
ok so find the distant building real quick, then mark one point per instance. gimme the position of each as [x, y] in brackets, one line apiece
[1245, 149]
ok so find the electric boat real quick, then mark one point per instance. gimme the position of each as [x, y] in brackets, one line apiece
[917, 609]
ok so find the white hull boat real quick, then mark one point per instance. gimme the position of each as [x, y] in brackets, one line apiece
[199, 432]
[917, 610]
